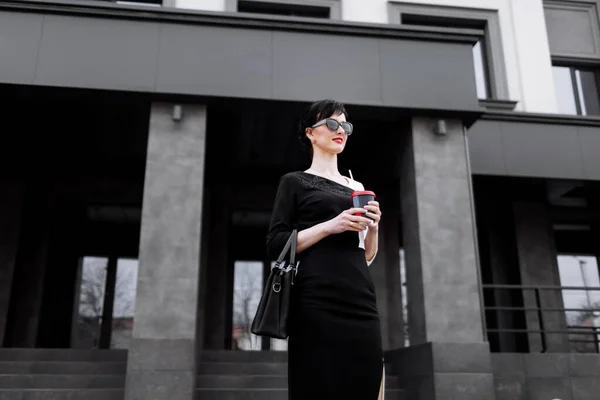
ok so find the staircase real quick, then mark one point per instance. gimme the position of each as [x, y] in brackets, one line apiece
[228, 375]
[69, 374]
[62, 374]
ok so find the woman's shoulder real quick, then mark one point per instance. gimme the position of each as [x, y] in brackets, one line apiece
[291, 176]
[356, 185]
[291, 179]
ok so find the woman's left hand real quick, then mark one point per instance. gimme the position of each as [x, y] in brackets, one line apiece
[374, 213]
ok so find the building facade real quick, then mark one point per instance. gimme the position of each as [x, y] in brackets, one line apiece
[141, 151]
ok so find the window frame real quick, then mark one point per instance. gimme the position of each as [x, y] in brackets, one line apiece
[335, 9]
[573, 67]
[492, 38]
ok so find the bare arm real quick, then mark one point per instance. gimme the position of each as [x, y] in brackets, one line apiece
[372, 236]
[345, 221]
[311, 236]
[283, 220]
[371, 244]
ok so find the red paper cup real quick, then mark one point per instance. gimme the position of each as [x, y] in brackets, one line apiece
[360, 198]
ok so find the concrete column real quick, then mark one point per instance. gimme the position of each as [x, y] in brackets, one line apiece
[448, 358]
[217, 270]
[11, 204]
[539, 267]
[378, 272]
[161, 360]
[30, 269]
[499, 261]
[203, 302]
[438, 226]
[391, 242]
[64, 233]
[385, 272]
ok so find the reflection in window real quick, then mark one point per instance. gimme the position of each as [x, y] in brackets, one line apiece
[247, 286]
[403, 288]
[278, 344]
[284, 9]
[124, 303]
[576, 91]
[481, 75]
[94, 296]
[91, 301]
[480, 59]
[581, 271]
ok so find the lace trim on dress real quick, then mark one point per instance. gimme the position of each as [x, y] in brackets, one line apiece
[318, 182]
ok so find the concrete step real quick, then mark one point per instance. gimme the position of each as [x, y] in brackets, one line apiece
[63, 355]
[243, 356]
[56, 381]
[259, 382]
[266, 394]
[63, 367]
[241, 368]
[118, 394]
[241, 382]
[61, 394]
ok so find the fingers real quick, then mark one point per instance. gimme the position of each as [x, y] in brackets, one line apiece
[355, 210]
[374, 218]
[374, 212]
[355, 226]
[360, 220]
[373, 208]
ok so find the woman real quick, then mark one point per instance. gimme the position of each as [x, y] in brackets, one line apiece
[334, 345]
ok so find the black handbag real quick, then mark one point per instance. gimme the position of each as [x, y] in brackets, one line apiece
[273, 310]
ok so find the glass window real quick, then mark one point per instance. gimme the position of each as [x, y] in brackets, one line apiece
[285, 9]
[91, 301]
[403, 288]
[481, 75]
[581, 271]
[587, 89]
[247, 291]
[94, 295]
[576, 90]
[124, 303]
[565, 95]
[278, 344]
[147, 3]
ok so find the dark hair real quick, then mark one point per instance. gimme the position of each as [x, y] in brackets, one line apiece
[316, 112]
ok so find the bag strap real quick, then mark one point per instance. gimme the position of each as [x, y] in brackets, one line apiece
[291, 242]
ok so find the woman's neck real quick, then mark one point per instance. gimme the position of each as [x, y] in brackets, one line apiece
[325, 164]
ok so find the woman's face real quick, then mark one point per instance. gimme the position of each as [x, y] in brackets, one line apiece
[325, 140]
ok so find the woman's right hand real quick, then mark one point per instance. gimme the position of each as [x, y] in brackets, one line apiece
[347, 221]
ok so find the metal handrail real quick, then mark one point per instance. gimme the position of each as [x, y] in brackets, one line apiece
[541, 287]
[541, 311]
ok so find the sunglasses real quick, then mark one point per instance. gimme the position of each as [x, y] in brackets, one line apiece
[333, 125]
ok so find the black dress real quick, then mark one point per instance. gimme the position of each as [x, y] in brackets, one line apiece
[334, 344]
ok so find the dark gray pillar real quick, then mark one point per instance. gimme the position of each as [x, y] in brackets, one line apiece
[438, 226]
[378, 275]
[499, 262]
[539, 267]
[385, 272]
[30, 269]
[64, 249]
[11, 203]
[448, 358]
[203, 302]
[217, 270]
[391, 242]
[161, 361]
